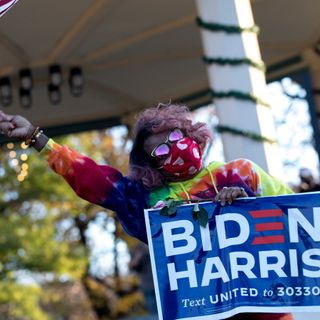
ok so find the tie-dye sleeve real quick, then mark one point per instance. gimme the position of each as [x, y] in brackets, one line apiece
[102, 185]
[244, 173]
[269, 185]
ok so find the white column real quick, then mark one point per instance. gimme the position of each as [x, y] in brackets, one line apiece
[243, 115]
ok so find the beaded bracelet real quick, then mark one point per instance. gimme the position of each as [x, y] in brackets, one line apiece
[35, 135]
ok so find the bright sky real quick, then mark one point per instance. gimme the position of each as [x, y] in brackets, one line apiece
[294, 132]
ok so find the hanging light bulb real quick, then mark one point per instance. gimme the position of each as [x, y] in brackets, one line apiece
[76, 81]
[55, 75]
[5, 91]
[54, 94]
[26, 81]
[25, 98]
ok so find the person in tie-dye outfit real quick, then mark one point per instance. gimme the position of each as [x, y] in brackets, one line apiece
[165, 162]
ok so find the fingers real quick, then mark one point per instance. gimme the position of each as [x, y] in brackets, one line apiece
[6, 127]
[229, 194]
[5, 117]
[15, 126]
[20, 133]
[5, 123]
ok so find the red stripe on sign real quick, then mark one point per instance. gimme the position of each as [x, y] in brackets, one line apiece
[266, 213]
[268, 240]
[269, 226]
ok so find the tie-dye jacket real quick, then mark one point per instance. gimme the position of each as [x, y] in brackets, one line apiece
[107, 187]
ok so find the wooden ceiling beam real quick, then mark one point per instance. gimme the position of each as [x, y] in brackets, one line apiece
[72, 38]
[15, 50]
[125, 100]
[147, 58]
[283, 46]
[136, 38]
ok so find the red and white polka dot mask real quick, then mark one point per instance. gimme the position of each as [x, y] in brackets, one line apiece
[185, 158]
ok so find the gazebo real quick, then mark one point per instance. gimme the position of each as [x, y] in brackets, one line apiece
[134, 54]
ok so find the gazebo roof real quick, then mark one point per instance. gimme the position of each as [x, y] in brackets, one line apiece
[133, 53]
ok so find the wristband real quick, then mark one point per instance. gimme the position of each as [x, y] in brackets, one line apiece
[40, 142]
[35, 135]
[37, 140]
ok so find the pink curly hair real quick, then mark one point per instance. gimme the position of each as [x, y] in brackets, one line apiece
[154, 120]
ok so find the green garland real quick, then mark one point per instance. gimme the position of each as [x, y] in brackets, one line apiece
[248, 134]
[225, 28]
[215, 27]
[218, 60]
[238, 95]
[234, 62]
[199, 213]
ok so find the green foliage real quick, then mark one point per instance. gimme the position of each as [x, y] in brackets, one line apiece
[20, 301]
[28, 244]
[30, 214]
[43, 237]
[170, 209]
[200, 214]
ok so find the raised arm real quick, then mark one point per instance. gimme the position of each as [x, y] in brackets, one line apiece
[99, 184]
[89, 180]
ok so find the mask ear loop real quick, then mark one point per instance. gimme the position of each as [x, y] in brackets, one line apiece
[212, 181]
[185, 191]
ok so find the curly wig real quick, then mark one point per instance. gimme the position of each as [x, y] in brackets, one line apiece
[155, 120]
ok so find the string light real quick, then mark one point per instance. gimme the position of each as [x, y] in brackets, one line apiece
[24, 166]
[24, 157]
[23, 173]
[16, 156]
[12, 154]
[14, 162]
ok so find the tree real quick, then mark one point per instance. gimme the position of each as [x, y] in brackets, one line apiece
[43, 244]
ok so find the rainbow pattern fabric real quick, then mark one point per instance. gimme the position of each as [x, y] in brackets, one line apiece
[107, 187]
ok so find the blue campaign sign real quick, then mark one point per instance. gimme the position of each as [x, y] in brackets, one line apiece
[256, 255]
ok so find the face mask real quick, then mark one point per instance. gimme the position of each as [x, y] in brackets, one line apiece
[185, 159]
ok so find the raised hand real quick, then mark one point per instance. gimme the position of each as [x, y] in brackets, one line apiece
[15, 126]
